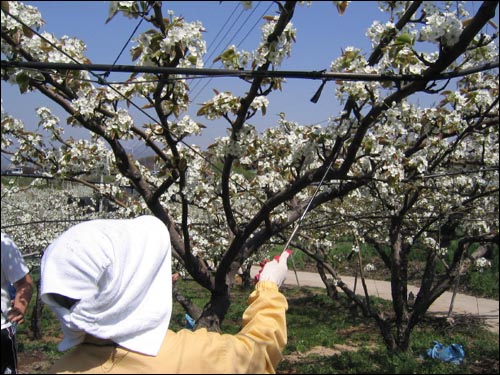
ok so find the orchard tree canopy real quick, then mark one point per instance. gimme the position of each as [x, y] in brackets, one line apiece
[386, 170]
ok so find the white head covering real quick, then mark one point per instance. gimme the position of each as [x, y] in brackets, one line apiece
[120, 271]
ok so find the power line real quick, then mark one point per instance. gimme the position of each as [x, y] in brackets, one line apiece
[247, 74]
[194, 96]
[238, 45]
[253, 26]
[131, 36]
[220, 41]
[225, 35]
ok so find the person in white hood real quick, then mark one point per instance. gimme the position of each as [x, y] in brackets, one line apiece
[110, 284]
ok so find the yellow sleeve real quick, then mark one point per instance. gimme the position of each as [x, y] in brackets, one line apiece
[258, 346]
[256, 349]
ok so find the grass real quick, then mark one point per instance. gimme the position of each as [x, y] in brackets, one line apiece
[324, 336]
[315, 320]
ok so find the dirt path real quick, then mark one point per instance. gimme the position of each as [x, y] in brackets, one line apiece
[463, 304]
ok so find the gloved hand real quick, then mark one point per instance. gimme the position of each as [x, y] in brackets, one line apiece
[274, 270]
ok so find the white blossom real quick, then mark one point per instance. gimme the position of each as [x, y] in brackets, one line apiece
[482, 263]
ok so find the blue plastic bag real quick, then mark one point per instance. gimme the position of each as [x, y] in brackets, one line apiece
[454, 353]
[190, 322]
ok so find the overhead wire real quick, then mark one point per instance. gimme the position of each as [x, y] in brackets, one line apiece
[194, 96]
[215, 39]
[238, 45]
[131, 36]
[247, 74]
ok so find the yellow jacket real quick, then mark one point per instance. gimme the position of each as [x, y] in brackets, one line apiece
[255, 349]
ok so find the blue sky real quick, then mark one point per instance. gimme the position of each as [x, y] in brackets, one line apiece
[321, 35]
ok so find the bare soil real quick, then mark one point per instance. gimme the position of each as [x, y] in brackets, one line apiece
[33, 362]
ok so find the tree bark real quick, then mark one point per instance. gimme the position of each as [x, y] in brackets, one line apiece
[36, 314]
[214, 311]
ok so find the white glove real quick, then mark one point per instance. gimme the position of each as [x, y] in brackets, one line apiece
[275, 270]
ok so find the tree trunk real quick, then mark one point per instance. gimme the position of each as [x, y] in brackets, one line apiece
[214, 311]
[246, 278]
[330, 286]
[386, 332]
[36, 314]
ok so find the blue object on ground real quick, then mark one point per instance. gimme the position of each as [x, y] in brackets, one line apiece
[190, 322]
[12, 291]
[454, 353]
